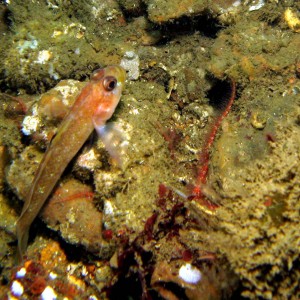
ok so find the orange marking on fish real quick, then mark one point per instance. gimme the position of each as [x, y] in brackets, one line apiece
[79, 195]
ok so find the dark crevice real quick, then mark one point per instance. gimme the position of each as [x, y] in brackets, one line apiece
[205, 24]
[126, 288]
[134, 12]
[158, 75]
[5, 15]
[219, 93]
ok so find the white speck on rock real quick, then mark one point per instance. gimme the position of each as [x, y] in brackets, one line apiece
[70, 216]
[21, 273]
[88, 160]
[108, 208]
[25, 45]
[52, 275]
[131, 63]
[17, 288]
[48, 294]
[237, 3]
[52, 72]
[30, 124]
[190, 274]
[134, 111]
[257, 6]
[43, 56]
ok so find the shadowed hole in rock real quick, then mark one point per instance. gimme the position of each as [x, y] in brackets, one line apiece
[205, 24]
[219, 94]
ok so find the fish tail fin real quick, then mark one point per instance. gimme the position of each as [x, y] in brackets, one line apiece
[22, 236]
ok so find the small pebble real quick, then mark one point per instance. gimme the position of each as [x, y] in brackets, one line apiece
[17, 288]
[258, 120]
[48, 294]
[52, 275]
[131, 63]
[190, 274]
[21, 273]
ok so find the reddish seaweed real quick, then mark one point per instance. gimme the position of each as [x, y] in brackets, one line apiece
[137, 261]
[204, 155]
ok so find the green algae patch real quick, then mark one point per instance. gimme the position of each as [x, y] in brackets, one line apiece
[260, 189]
[162, 11]
[174, 94]
[253, 49]
[39, 56]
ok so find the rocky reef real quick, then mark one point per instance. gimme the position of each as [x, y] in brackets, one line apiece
[139, 228]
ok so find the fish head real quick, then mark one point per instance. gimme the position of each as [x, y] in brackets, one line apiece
[110, 81]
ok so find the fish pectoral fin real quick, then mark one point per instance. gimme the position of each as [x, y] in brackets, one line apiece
[115, 142]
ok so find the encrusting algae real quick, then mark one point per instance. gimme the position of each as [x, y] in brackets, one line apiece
[206, 207]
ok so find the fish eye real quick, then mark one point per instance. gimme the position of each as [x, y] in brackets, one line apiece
[109, 83]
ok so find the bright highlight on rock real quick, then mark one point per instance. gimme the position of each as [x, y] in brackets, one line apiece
[190, 274]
